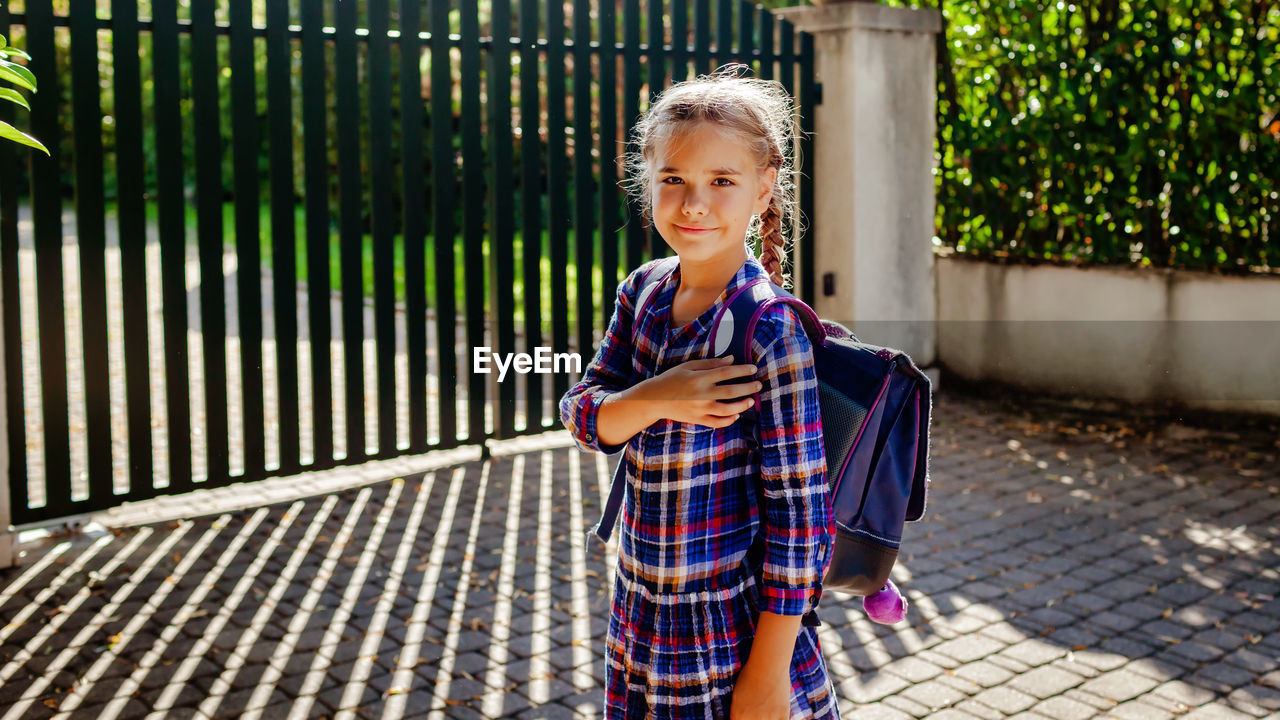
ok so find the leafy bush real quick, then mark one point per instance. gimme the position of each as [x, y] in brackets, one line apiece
[1111, 132]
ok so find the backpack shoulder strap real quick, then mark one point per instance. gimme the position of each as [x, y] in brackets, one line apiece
[651, 274]
[735, 326]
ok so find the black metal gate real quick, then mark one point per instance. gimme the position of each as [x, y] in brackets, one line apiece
[136, 368]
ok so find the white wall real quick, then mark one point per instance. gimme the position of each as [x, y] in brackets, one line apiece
[1194, 338]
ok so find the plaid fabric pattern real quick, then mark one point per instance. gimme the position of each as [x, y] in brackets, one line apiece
[690, 581]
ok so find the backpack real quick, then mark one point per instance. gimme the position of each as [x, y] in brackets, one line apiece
[874, 403]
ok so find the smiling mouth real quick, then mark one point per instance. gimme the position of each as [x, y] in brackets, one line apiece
[694, 229]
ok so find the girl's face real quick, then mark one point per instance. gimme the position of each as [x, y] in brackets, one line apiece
[705, 190]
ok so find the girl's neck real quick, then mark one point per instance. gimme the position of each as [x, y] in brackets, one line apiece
[711, 275]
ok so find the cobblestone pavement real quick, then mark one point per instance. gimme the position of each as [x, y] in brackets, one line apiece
[1075, 562]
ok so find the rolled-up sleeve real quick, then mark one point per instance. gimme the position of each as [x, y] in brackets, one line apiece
[797, 516]
[611, 371]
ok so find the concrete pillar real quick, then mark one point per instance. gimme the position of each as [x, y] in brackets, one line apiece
[874, 171]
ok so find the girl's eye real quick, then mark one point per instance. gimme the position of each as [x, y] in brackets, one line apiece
[727, 181]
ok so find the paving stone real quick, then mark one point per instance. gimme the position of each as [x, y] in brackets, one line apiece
[1113, 621]
[977, 709]
[1188, 693]
[970, 647]
[1217, 711]
[1139, 710]
[933, 694]
[1006, 699]
[1197, 651]
[1062, 708]
[983, 673]
[913, 669]
[907, 706]
[879, 711]
[872, 687]
[951, 714]
[1045, 682]
[1253, 661]
[1033, 652]
[1119, 686]
[1265, 698]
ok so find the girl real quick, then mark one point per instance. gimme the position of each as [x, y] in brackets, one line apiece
[726, 528]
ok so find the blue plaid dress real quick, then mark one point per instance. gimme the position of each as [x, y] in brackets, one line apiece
[718, 524]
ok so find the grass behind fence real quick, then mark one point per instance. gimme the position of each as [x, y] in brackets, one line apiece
[335, 276]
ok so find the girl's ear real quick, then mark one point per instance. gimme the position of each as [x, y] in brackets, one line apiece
[767, 179]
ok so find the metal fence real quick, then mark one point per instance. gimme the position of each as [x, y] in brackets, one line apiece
[136, 368]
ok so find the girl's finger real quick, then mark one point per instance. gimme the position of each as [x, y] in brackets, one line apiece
[735, 371]
[737, 390]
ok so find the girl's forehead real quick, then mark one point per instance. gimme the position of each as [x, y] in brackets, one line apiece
[700, 146]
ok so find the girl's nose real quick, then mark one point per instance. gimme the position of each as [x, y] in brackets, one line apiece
[694, 204]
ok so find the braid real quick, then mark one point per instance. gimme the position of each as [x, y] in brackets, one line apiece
[773, 244]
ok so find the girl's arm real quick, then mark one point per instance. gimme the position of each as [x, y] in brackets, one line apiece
[610, 373]
[796, 513]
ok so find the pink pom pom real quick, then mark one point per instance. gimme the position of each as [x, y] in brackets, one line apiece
[887, 606]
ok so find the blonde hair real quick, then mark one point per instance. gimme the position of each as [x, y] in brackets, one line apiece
[758, 112]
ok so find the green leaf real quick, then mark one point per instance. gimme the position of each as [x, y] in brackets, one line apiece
[14, 96]
[17, 75]
[8, 132]
[11, 51]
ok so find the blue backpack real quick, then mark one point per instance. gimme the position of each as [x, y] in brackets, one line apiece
[874, 404]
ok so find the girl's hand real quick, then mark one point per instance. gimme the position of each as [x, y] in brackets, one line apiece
[689, 392]
[761, 698]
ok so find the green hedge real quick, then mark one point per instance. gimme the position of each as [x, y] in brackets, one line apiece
[1111, 132]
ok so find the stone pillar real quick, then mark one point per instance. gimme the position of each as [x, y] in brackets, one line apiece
[874, 171]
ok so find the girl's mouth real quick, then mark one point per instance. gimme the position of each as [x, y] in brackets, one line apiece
[694, 231]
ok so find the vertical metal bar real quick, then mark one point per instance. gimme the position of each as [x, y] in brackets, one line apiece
[746, 36]
[767, 58]
[284, 275]
[208, 142]
[316, 181]
[246, 147]
[610, 222]
[46, 214]
[443, 230]
[501, 209]
[679, 40]
[413, 220]
[584, 193]
[384, 286]
[133, 239]
[350, 184]
[531, 201]
[724, 32]
[91, 234]
[657, 82]
[472, 213]
[701, 36]
[173, 244]
[557, 181]
[805, 278]
[631, 113]
[15, 473]
[787, 57]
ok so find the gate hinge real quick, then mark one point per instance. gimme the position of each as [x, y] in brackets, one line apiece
[817, 93]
